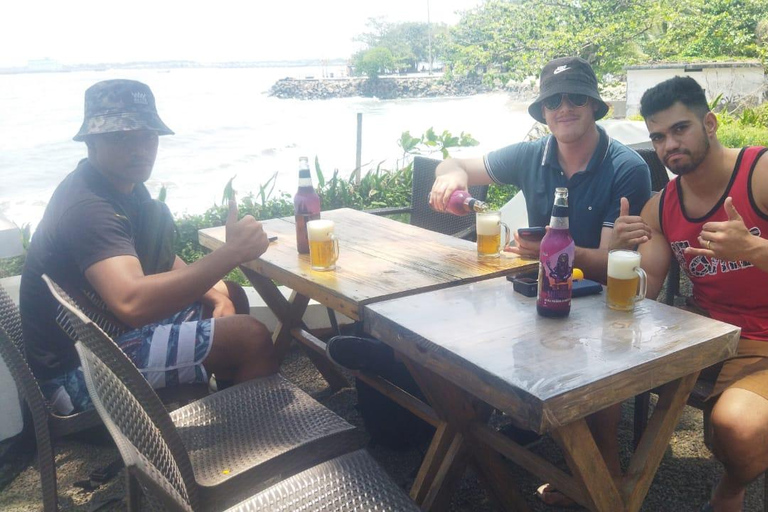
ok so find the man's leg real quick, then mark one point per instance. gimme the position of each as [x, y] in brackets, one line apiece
[241, 350]
[740, 442]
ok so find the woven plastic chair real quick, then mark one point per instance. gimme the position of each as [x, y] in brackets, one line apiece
[48, 426]
[425, 217]
[216, 451]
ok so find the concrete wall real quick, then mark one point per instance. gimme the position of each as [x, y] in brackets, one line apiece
[732, 82]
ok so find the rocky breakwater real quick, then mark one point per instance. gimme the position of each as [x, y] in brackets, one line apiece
[390, 87]
[382, 88]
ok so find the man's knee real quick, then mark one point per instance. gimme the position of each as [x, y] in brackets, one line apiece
[740, 427]
[241, 329]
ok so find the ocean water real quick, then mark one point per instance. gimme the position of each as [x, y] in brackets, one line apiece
[225, 125]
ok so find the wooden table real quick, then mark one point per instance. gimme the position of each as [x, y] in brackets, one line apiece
[380, 259]
[480, 346]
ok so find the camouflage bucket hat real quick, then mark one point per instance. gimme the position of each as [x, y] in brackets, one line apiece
[118, 106]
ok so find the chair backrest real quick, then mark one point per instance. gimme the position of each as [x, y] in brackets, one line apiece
[424, 216]
[659, 176]
[94, 308]
[12, 352]
[134, 415]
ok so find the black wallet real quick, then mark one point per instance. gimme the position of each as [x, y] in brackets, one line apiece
[585, 287]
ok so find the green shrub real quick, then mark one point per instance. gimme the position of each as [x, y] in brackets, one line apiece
[498, 195]
[11, 266]
[737, 136]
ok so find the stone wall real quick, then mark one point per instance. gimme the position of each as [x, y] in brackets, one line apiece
[412, 87]
[389, 88]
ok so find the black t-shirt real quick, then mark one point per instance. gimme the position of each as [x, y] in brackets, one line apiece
[85, 222]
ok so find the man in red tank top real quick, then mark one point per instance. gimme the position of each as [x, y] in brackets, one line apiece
[713, 217]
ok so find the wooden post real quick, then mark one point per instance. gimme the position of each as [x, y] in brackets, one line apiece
[359, 154]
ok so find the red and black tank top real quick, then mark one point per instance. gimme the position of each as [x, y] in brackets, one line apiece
[731, 291]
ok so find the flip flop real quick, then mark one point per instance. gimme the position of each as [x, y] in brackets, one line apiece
[551, 496]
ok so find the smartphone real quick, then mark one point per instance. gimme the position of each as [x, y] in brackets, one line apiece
[536, 233]
[272, 238]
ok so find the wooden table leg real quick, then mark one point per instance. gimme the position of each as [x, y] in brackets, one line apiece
[453, 448]
[655, 439]
[495, 475]
[437, 451]
[289, 314]
[448, 476]
[588, 465]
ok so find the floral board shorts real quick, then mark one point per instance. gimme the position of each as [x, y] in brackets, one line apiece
[167, 353]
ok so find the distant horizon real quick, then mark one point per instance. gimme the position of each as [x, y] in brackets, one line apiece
[160, 63]
[57, 67]
[227, 31]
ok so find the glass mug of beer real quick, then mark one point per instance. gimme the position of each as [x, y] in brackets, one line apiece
[626, 280]
[323, 244]
[489, 234]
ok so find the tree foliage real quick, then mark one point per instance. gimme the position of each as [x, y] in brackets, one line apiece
[409, 42]
[374, 61]
[514, 38]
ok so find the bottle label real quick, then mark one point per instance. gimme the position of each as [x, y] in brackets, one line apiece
[555, 278]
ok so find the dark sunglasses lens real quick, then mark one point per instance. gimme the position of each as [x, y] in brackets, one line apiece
[553, 102]
[578, 100]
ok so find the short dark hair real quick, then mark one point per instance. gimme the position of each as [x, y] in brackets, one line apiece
[684, 89]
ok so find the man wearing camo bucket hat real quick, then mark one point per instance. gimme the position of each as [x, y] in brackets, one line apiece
[103, 235]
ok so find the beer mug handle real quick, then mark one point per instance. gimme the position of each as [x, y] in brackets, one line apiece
[507, 236]
[642, 285]
[336, 248]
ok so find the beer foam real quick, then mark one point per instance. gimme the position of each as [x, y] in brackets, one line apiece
[622, 264]
[320, 230]
[488, 224]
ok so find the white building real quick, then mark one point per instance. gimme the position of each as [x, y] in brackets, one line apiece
[734, 80]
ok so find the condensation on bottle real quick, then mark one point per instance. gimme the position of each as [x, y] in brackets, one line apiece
[556, 255]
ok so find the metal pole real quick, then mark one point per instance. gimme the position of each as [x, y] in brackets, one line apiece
[359, 155]
[429, 39]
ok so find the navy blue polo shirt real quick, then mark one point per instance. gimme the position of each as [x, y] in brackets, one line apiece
[594, 194]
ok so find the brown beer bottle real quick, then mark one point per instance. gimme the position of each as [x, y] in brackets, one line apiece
[306, 205]
[556, 255]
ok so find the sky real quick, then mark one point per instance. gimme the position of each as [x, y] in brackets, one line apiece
[94, 31]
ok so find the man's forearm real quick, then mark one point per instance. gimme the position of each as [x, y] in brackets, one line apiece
[593, 262]
[143, 299]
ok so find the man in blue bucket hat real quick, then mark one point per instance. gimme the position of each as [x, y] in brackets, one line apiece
[103, 237]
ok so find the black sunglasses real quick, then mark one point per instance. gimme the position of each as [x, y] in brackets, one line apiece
[554, 102]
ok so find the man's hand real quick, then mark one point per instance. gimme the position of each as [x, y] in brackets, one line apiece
[729, 240]
[526, 248]
[445, 184]
[629, 231]
[220, 305]
[246, 236]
